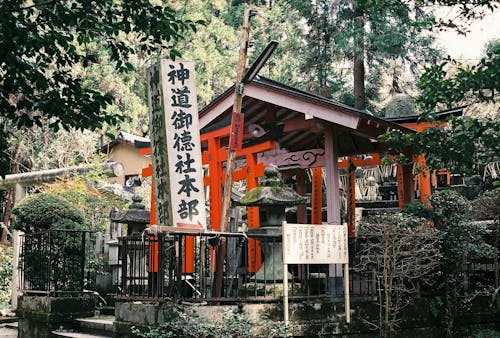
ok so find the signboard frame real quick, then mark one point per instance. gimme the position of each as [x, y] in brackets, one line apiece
[175, 143]
[309, 251]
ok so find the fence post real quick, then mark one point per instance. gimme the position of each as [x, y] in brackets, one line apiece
[82, 267]
[123, 244]
[49, 268]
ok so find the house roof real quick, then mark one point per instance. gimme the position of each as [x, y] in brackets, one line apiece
[304, 116]
[123, 137]
[441, 115]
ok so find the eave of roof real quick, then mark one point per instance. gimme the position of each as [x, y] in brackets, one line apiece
[441, 115]
[303, 95]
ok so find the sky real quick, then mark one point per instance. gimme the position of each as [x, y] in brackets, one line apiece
[471, 46]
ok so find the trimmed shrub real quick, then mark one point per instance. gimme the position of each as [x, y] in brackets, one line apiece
[45, 211]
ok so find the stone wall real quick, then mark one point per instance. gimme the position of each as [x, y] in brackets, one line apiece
[40, 315]
[316, 318]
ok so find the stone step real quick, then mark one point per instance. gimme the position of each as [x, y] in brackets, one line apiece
[377, 204]
[379, 211]
[79, 335]
[6, 332]
[11, 325]
[93, 327]
[98, 323]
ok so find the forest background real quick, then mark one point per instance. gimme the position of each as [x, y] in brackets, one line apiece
[358, 52]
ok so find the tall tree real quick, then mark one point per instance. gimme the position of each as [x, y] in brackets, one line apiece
[41, 42]
[369, 35]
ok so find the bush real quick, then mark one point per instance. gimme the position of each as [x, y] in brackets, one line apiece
[185, 323]
[5, 276]
[418, 209]
[46, 211]
[487, 206]
[449, 207]
[461, 242]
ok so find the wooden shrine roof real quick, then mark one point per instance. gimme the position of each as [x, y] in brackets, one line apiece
[301, 117]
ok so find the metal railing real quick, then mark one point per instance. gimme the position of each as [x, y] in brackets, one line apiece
[53, 262]
[182, 266]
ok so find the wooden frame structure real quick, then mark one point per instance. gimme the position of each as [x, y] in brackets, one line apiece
[301, 131]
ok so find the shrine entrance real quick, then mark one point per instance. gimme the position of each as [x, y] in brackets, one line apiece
[306, 136]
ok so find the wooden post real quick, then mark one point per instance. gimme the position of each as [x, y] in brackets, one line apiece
[405, 179]
[228, 182]
[351, 198]
[301, 190]
[425, 181]
[317, 196]
[332, 195]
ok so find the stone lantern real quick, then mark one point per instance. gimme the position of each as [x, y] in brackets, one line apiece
[272, 197]
[136, 217]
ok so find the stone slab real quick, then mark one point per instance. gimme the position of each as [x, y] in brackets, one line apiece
[77, 335]
[103, 323]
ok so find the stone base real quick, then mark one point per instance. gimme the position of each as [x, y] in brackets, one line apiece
[269, 289]
[40, 315]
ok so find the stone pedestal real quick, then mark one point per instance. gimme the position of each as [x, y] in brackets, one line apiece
[40, 315]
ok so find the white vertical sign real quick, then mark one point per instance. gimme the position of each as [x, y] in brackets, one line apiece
[175, 142]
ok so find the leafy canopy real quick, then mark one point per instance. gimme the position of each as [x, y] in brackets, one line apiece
[42, 41]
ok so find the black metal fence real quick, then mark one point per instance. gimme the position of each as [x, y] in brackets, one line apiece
[53, 262]
[182, 265]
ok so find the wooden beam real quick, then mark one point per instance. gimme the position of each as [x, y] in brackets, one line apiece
[111, 169]
[302, 105]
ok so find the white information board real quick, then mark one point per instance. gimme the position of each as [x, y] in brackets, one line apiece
[175, 142]
[315, 244]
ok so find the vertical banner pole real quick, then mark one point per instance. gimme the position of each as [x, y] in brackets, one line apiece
[347, 298]
[285, 293]
[285, 275]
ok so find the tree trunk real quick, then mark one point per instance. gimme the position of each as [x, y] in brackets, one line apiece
[10, 199]
[359, 60]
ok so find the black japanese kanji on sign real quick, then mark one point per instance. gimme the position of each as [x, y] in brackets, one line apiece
[188, 209]
[181, 74]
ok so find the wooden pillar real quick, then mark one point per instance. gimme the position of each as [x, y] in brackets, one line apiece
[254, 252]
[335, 271]
[425, 180]
[317, 196]
[351, 198]
[405, 179]
[332, 178]
[301, 190]
[215, 172]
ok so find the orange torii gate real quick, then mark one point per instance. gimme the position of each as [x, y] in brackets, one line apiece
[214, 157]
[404, 176]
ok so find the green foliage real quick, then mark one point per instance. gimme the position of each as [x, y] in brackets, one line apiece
[461, 241]
[184, 323]
[486, 333]
[45, 211]
[418, 209]
[41, 43]
[487, 206]
[464, 146]
[86, 195]
[388, 35]
[5, 276]
[444, 88]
